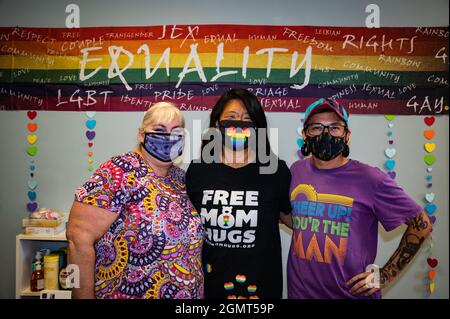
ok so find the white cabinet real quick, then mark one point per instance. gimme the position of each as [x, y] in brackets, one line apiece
[26, 247]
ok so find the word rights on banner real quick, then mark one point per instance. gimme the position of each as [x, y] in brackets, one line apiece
[370, 71]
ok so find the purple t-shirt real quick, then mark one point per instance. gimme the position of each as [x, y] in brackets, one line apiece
[336, 214]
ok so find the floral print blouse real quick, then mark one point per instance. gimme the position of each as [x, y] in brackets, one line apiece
[153, 248]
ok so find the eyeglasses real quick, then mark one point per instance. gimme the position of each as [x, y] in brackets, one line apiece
[335, 129]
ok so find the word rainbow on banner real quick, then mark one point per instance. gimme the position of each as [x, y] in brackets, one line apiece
[370, 71]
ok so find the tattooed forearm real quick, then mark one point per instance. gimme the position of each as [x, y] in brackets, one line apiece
[385, 275]
[409, 250]
[418, 223]
[410, 244]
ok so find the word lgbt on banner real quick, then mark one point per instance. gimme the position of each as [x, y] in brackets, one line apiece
[370, 71]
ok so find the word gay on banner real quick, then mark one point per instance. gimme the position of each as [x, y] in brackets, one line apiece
[370, 71]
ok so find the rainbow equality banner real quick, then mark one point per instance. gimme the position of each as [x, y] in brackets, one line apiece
[370, 71]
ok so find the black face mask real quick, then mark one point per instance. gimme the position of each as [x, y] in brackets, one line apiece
[326, 147]
[236, 134]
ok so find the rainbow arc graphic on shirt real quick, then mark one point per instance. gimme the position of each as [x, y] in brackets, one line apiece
[312, 195]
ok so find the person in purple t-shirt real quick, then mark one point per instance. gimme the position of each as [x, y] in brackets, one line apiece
[337, 205]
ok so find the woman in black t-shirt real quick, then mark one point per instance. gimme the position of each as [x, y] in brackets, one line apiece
[241, 190]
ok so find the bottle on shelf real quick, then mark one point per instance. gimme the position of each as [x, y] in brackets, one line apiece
[37, 276]
[51, 272]
[64, 280]
[37, 258]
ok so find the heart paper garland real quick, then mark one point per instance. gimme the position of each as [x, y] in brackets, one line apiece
[390, 151]
[429, 147]
[32, 151]
[32, 184]
[432, 262]
[430, 207]
[429, 197]
[429, 159]
[90, 124]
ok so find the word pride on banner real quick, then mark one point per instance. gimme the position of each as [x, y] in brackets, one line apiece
[370, 71]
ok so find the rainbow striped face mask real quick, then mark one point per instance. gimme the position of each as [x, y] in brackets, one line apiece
[236, 134]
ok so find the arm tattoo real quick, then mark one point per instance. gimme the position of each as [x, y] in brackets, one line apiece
[409, 245]
[418, 223]
[408, 250]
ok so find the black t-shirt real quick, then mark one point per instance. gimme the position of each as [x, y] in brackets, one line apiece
[240, 210]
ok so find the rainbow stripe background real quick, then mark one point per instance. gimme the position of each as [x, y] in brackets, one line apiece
[40, 67]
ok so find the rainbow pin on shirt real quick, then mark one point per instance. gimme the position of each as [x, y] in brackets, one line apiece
[241, 279]
[251, 289]
[208, 268]
[228, 286]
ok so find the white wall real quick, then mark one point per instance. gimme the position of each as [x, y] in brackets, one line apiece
[61, 163]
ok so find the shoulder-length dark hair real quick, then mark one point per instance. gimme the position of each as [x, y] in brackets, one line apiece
[251, 103]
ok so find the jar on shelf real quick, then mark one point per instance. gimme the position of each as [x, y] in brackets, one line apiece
[51, 272]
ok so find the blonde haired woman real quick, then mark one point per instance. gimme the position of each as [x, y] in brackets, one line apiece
[132, 230]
